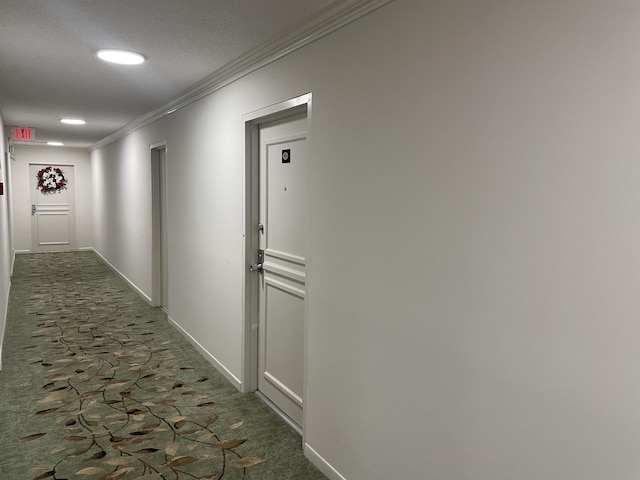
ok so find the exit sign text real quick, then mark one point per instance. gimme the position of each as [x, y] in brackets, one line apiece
[23, 133]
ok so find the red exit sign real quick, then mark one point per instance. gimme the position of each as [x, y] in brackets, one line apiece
[23, 133]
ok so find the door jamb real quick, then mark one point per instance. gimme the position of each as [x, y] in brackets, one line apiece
[252, 122]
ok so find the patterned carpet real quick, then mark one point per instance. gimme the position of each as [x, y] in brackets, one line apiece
[97, 385]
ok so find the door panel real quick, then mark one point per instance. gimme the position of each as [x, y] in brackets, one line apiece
[284, 306]
[283, 214]
[286, 199]
[53, 226]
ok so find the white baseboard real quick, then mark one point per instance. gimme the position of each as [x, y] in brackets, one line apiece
[135, 288]
[3, 324]
[13, 261]
[206, 354]
[80, 249]
[324, 466]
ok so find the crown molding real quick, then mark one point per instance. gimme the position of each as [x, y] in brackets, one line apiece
[327, 20]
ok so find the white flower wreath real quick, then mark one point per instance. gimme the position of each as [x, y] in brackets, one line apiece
[51, 180]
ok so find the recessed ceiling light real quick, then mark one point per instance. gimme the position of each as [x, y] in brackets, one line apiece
[73, 121]
[55, 144]
[122, 57]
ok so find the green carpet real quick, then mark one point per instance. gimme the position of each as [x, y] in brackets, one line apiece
[97, 385]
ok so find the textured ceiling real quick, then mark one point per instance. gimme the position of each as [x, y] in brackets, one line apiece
[48, 67]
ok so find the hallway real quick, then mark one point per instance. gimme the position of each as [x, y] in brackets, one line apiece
[468, 248]
[96, 384]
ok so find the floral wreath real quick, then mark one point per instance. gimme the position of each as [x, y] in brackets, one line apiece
[51, 180]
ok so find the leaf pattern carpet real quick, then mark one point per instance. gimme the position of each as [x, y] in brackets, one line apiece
[97, 385]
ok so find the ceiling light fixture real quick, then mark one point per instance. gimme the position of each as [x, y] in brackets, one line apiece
[55, 144]
[73, 121]
[121, 57]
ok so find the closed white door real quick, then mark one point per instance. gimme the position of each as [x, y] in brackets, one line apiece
[53, 222]
[283, 220]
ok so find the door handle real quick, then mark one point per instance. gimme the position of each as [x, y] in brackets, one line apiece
[33, 209]
[258, 267]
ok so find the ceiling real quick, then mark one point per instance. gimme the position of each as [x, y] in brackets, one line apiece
[49, 70]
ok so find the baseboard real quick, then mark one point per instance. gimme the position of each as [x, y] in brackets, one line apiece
[122, 275]
[80, 249]
[324, 466]
[3, 324]
[206, 354]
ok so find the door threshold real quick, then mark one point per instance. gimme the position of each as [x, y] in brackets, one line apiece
[279, 412]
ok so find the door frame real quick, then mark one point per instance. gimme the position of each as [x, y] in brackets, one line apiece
[159, 269]
[252, 122]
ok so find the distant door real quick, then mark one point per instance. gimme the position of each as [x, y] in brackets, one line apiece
[283, 216]
[160, 293]
[53, 221]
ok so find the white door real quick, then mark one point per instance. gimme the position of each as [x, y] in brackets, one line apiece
[283, 216]
[53, 222]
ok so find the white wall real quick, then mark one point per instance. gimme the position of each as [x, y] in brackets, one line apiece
[5, 244]
[474, 180]
[81, 161]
